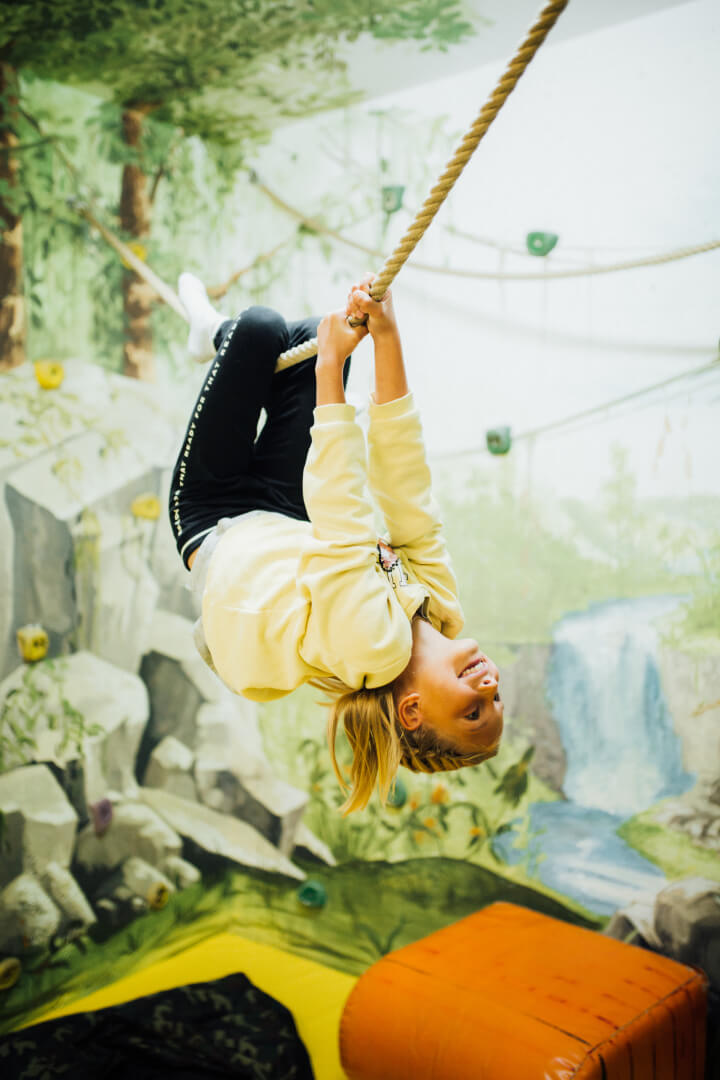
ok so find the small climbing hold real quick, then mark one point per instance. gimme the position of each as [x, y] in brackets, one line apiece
[397, 796]
[146, 506]
[33, 642]
[102, 814]
[158, 896]
[10, 968]
[312, 894]
[392, 198]
[541, 243]
[49, 373]
[498, 440]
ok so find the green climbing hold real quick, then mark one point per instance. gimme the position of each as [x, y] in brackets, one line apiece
[392, 197]
[397, 796]
[541, 243]
[312, 894]
[498, 440]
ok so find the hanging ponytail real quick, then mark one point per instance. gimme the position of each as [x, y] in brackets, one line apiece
[380, 744]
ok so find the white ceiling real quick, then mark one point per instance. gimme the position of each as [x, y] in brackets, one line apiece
[379, 68]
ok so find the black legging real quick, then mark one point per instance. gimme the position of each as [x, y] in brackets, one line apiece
[223, 470]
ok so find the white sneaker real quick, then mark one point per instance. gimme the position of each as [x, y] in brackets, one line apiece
[204, 318]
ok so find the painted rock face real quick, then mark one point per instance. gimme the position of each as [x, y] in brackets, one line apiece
[49, 373]
[32, 642]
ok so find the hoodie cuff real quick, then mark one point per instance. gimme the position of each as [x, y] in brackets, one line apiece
[329, 414]
[391, 410]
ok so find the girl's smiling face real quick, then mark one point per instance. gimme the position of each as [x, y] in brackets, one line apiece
[452, 687]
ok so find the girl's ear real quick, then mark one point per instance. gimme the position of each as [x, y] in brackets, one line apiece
[408, 709]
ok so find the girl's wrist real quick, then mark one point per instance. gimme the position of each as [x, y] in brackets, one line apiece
[384, 332]
[328, 381]
[327, 360]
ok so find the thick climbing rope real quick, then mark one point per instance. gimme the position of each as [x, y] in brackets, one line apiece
[534, 39]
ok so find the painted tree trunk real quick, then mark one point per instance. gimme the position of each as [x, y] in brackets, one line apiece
[135, 213]
[12, 301]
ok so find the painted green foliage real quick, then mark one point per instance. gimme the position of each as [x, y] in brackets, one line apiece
[186, 56]
[227, 73]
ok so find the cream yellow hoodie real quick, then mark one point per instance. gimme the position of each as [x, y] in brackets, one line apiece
[286, 601]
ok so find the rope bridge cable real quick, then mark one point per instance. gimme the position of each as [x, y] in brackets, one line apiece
[315, 225]
[216, 292]
[164, 291]
[141, 269]
[534, 39]
[594, 410]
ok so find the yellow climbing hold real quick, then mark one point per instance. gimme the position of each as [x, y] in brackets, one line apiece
[10, 969]
[137, 249]
[49, 373]
[146, 506]
[158, 896]
[32, 642]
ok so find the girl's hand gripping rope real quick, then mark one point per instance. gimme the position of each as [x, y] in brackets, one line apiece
[336, 339]
[378, 315]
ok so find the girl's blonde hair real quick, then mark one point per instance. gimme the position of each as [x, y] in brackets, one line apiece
[380, 744]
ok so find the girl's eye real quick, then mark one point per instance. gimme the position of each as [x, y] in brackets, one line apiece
[473, 715]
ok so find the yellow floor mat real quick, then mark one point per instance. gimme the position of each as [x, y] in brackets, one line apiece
[315, 995]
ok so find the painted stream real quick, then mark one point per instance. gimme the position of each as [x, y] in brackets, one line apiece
[623, 755]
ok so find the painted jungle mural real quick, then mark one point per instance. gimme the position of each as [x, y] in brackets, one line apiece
[143, 806]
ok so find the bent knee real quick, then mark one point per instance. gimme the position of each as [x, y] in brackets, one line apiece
[262, 327]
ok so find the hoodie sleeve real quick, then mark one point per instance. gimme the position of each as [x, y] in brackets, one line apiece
[356, 629]
[400, 482]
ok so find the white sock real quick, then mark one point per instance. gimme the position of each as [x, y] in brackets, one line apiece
[204, 318]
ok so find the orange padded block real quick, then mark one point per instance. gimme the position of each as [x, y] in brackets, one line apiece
[508, 994]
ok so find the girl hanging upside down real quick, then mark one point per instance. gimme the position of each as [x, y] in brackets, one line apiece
[278, 529]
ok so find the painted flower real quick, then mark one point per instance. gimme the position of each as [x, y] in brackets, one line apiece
[440, 794]
[429, 822]
[419, 837]
[476, 830]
